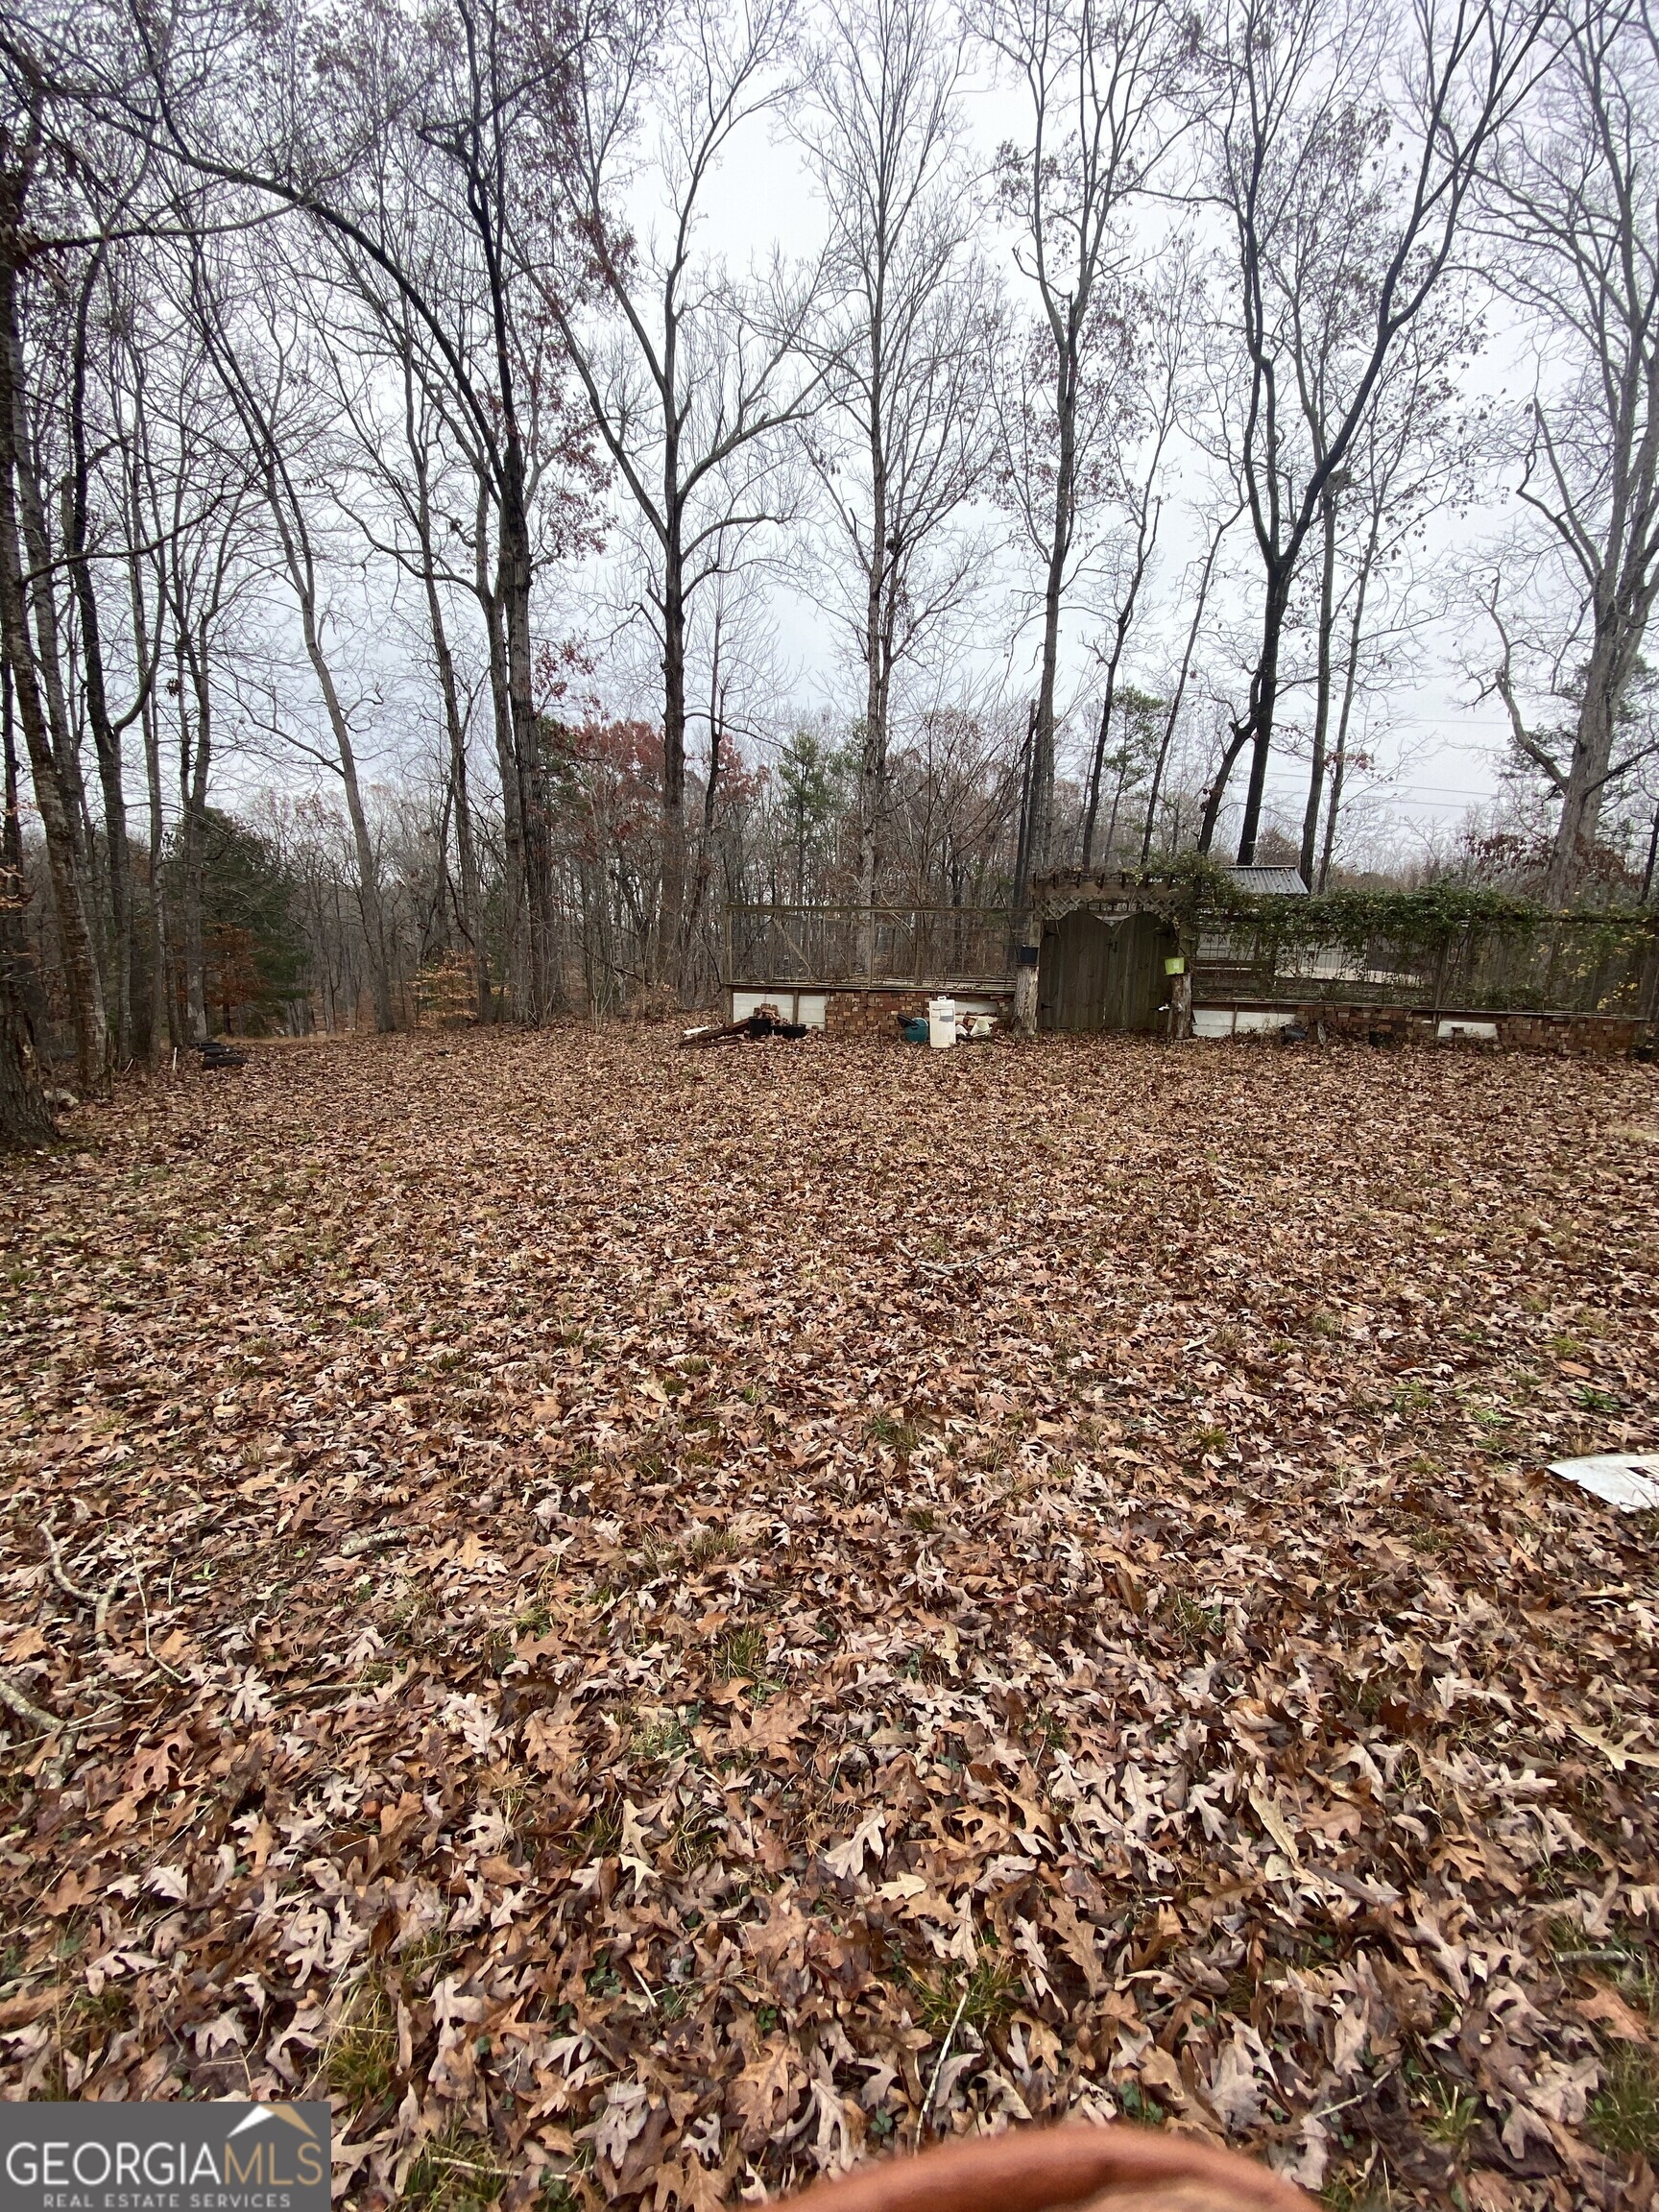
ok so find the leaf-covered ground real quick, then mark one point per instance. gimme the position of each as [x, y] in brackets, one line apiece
[652, 1624]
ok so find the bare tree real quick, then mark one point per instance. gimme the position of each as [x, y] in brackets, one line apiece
[182, 496]
[128, 386]
[28, 617]
[1413, 454]
[264, 379]
[413, 471]
[1333, 263]
[469, 112]
[205, 574]
[1219, 524]
[1572, 215]
[24, 1119]
[1161, 312]
[107, 729]
[689, 374]
[1097, 82]
[909, 355]
[735, 648]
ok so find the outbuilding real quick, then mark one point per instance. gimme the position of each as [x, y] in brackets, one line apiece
[1110, 955]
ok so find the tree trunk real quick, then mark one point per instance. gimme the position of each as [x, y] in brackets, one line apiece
[1097, 760]
[161, 1017]
[194, 761]
[1040, 800]
[369, 890]
[24, 1120]
[1118, 791]
[490, 605]
[163, 1013]
[107, 745]
[672, 905]
[53, 799]
[512, 813]
[105, 738]
[164, 1009]
[873, 759]
[368, 866]
[1338, 775]
[49, 657]
[1258, 727]
[1587, 776]
[1322, 697]
[1173, 716]
[1218, 790]
[472, 897]
[471, 903]
[1040, 832]
[535, 829]
[1350, 680]
[1145, 542]
[710, 800]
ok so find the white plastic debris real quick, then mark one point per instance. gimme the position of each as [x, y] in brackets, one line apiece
[941, 1022]
[1629, 1481]
[1449, 1030]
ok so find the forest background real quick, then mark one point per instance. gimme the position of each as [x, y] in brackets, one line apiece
[483, 489]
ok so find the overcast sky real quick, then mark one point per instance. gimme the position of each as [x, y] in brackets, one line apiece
[1438, 753]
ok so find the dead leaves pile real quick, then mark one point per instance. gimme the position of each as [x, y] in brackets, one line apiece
[653, 1625]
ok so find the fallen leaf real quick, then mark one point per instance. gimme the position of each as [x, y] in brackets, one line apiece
[1606, 2008]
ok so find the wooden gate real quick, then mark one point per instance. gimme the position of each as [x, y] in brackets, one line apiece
[1099, 974]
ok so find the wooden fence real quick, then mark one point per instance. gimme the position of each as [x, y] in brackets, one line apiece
[870, 944]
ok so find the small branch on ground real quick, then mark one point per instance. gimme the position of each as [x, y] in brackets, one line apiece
[58, 1573]
[943, 2053]
[355, 1546]
[100, 1601]
[172, 1673]
[25, 1708]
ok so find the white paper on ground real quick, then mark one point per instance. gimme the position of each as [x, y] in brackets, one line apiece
[1629, 1481]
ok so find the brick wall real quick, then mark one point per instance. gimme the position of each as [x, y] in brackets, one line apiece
[1576, 1036]
[872, 1013]
[1583, 1036]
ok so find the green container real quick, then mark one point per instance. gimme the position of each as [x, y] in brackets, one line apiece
[1174, 967]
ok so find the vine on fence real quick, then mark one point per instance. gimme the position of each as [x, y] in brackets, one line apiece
[1491, 945]
[1424, 921]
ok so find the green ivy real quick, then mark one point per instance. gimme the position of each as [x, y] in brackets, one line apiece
[1437, 914]
[1423, 921]
[1416, 927]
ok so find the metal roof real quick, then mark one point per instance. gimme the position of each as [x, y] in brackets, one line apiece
[1270, 882]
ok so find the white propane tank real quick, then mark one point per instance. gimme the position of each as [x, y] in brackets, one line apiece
[940, 1022]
